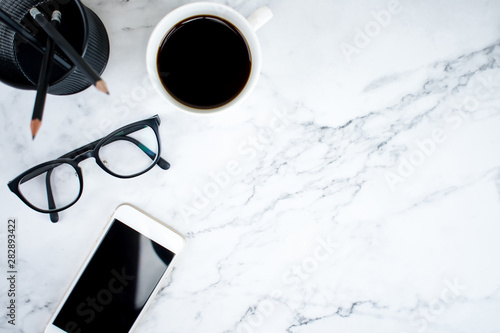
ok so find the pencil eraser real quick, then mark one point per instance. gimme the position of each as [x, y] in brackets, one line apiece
[34, 11]
[56, 16]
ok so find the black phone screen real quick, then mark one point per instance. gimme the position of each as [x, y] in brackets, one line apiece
[116, 283]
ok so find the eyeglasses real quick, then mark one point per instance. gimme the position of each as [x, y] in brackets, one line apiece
[57, 185]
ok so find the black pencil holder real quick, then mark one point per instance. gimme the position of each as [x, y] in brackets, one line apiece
[20, 63]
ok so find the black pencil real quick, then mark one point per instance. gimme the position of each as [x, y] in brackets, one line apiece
[66, 47]
[30, 39]
[44, 78]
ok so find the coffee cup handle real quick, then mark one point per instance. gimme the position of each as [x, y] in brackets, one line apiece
[260, 17]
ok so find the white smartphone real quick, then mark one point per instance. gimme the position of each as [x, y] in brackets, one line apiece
[120, 277]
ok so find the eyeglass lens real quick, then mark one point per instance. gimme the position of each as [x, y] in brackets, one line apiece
[127, 154]
[59, 178]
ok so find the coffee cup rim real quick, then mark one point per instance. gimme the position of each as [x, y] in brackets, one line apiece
[194, 9]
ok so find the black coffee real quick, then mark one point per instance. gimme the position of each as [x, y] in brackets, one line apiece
[204, 62]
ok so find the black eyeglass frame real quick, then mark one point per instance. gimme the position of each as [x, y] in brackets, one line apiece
[74, 157]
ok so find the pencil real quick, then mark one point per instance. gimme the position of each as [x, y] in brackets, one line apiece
[44, 78]
[69, 51]
[30, 39]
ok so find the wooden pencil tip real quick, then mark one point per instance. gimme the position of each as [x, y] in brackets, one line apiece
[101, 86]
[35, 126]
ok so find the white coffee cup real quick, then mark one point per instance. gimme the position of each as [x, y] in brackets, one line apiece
[247, 28]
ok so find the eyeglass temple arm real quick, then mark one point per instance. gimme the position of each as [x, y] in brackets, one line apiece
[37, 172]
[54, 217]
[161, 162]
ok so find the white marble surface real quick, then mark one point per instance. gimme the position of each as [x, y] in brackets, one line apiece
[367, 193]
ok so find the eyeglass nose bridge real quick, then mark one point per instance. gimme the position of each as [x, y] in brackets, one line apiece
[84, 156]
